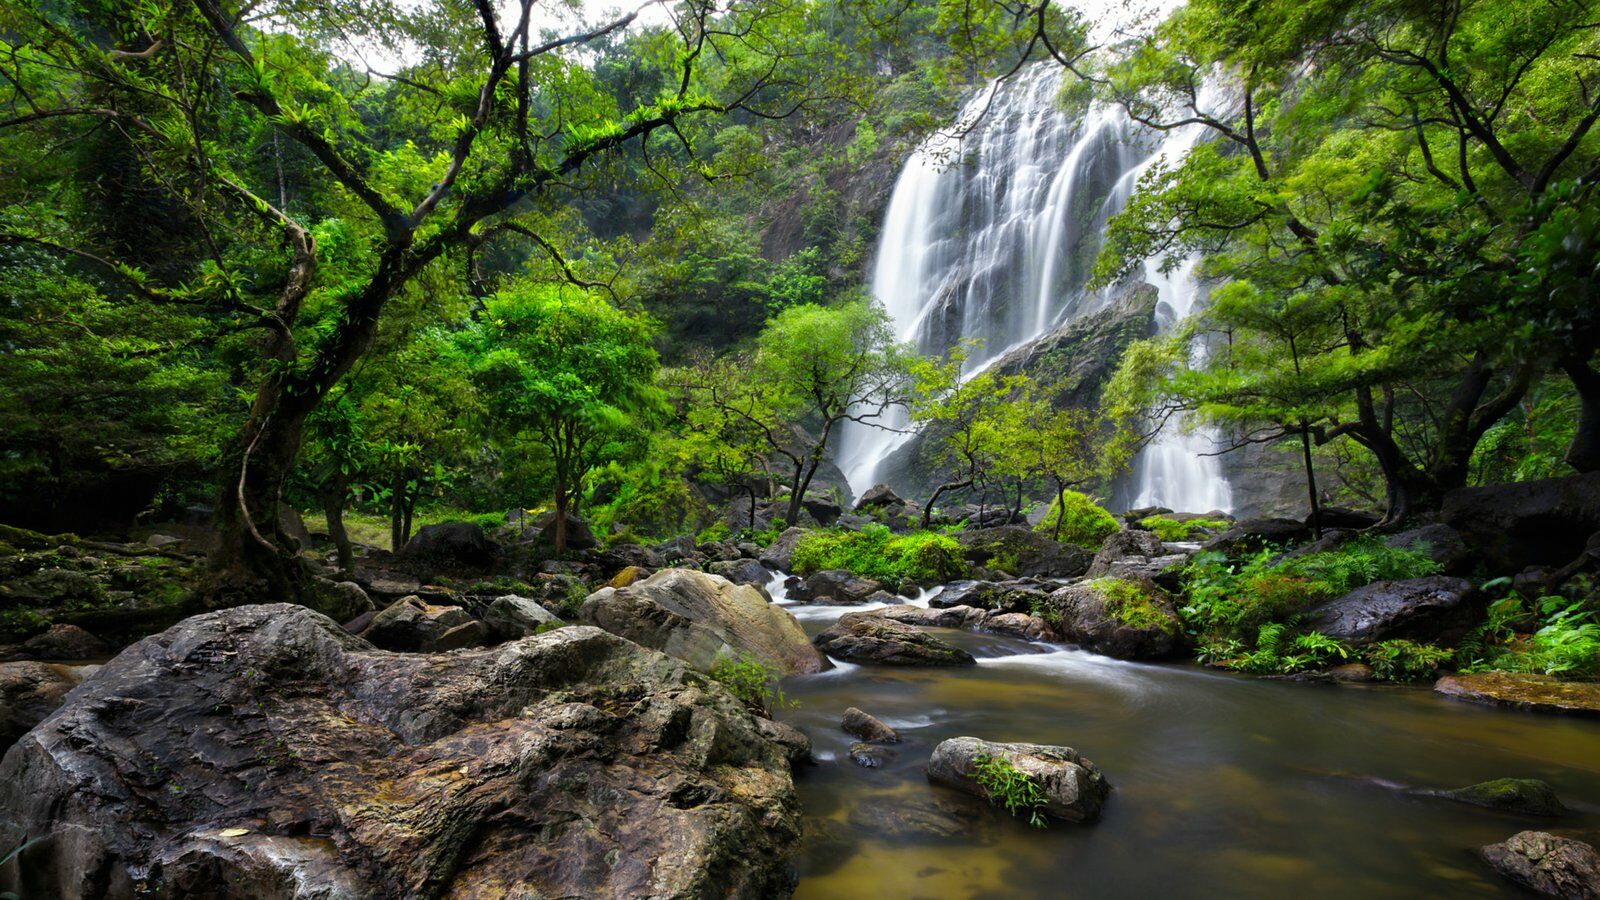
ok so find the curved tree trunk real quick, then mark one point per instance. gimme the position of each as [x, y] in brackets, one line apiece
[1583, 453]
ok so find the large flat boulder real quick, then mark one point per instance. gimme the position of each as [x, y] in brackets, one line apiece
[862, 637]
[1250, 535]
[1547, 864]
[1072, 787]
[1434, 608]
[264, 749]
[701, 619]
[1526, 523]
[1120, 617]
[1534, 693]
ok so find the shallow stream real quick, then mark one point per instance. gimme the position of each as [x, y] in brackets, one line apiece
[1223, 785]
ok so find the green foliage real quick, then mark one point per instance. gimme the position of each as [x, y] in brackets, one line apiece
[716, 531]
[1074, 518]
[645, 501]
[1011, 788]
[1279, 652]
[1402, 660]
[1227, 598]
[1173, 530]
[1129, 602]
[925, 557]
[1565, 640]
[752, 681]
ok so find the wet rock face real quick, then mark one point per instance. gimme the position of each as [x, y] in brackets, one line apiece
[1438, 542]
[1250, 535]
[1096, 616]
[1547, 864]
[869, 728]
[1434, 608]
[30, 691]
[1534, 693]
[1524, 796]
[836, 586]
[1073, 788]
[701, 619]
[1133, 553]
[867, 638]
[263, 747]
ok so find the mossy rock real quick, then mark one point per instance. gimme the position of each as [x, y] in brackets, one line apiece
[1525, 796]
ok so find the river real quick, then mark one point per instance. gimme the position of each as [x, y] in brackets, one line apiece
[1223, 785]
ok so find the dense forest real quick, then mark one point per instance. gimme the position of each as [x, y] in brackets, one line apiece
[459, 448]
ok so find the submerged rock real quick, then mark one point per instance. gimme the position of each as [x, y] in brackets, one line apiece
[1434, 608]
[263, 749]
[857, 723]
[1073, 788]
[1119, 617]
[1525, 796]
[870, 756]
[1547, 864]
[868, 638]
[1535, 693]
[31, 691]
[701, 619]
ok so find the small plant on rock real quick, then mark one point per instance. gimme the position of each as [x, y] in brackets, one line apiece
[1010, 787]
[752, 681]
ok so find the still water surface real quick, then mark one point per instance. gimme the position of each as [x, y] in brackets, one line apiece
[1224, 786]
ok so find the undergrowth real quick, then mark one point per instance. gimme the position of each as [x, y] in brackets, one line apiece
[926, 557]
[752, 681]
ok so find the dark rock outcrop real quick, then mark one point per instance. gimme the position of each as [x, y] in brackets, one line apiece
[30, 691]
[460, 546]
[1438, 542]
[867, 638]
[836, 586]
[857, 723]
[702, 619]
[1022, 551]
[414, 625]
[1523, 796]
[1434, 608]
[1117, 617]
[779, 554]
[62, 643]
[263, 749]
[1140, 555]
[579, 535]
[1073, 788]
[1526, 523]
[1250, 535]
[1547, 864]
[742, 571]
[1534, 693]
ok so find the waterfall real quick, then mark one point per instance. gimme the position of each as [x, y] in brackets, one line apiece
[991, 232]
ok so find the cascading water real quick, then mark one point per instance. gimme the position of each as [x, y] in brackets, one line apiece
[990, 234]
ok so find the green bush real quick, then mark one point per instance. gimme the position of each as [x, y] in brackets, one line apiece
[1082, 521]
[1129, 603]
[645, 502]
[1401, 660]
[716, 531]
[1565, 642]
[1278, 652]
[1173, 530]
[926, 557]
[752, 681]
[1010, 787]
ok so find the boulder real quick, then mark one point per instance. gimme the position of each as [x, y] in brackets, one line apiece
[340, 600]
[1439, 542]
[675, 550]
[621, 556]
[628, 576]
[160, 541]
[511, 617]
[62, 643]
[1250, 535]
[1434, 608]
[879, 495]
[1523, 796]
[825, 510]
[1018, 624]
[413, 625]
[1022, 551]
[1117, 617]
[967, 617]
[1123, 544]
[1526, 523]
[870, 756]
[1534, 693]
[30, 691]
[1073, 788]
[742, 571]
[1138, 554]
[579, 535]
[262, 749]
[877, 640]
[868, 728]
[701, 619]
[1547, 864]
[452, 545]
[779, 555]
[836, 586]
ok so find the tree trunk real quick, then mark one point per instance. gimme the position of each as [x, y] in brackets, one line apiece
[927, 511]
[1583, 453]
[397, 514]
[333, 507]
[1311, 480]
[560, 523]
[1061, 510]
[752, 492]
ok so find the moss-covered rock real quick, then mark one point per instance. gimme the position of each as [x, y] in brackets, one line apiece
[1525, 796]
[1121, 617]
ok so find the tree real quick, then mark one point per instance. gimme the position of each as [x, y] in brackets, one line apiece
[813, 368]
[494, 126]
[1064, 448]
[567, 372]
[964, 416]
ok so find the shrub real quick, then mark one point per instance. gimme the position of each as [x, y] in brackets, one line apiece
[1361, 562]
[1401, 660]
[926, 557]
[752, 681]
[1129, 603]
[1010, 787]
[1082, 521]
[1173, 530]
[716, 531]
[1566, 642]
[1277, 652]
